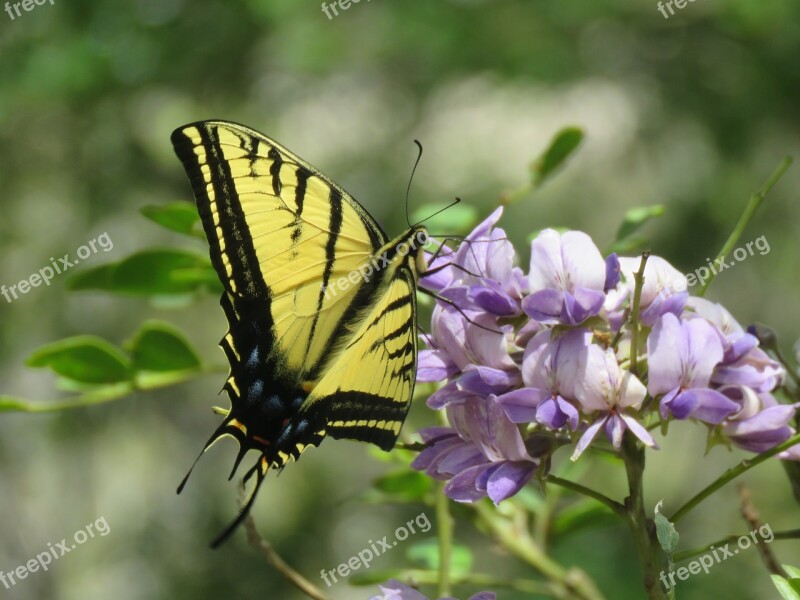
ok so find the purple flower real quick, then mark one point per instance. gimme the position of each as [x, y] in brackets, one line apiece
[792, 453]
[457, 343]
[663, 290]
[735, 340]
[754, 369]
[550, 371]
[613, 272]
[394, 590]
[613, 392]
[743, 363]
[681, 357]
[761, 423]
[485, 277]
[482, 454]
[567, 278]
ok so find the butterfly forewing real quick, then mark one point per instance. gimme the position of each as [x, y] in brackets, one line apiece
[279, 231]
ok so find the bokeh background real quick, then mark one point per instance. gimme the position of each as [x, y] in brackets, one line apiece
[692, 112]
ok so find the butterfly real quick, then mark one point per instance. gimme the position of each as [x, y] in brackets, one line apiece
[320, 303]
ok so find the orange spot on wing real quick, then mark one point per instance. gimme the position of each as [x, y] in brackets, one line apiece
[238, 425]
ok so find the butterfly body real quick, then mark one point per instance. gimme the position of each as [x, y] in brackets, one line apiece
[321, 305]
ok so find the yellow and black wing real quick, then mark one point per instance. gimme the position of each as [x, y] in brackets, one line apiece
[321, 306]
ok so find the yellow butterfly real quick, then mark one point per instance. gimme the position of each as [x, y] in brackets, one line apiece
[321, 305]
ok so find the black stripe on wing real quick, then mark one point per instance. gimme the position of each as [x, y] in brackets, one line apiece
[365, 417]
[238, 243]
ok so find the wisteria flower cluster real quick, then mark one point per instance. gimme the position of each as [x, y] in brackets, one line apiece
[543, 358]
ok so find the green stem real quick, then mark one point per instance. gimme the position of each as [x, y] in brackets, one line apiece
[756, 200]
[566, 584]
[444, 530]
[615, 506]
[105, 394]
[637, 298]
[643, 528]
[429, 577]
[791, 534]
[732, 474]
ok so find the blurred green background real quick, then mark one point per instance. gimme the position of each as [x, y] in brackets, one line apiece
[693, 112]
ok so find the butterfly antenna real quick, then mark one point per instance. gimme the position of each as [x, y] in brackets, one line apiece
[441, 210]
[410, 179]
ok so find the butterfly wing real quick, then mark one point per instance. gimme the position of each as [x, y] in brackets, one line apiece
[313, 350]
[279, 232]
[366, 391]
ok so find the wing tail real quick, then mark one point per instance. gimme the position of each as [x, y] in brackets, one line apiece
[260, 469]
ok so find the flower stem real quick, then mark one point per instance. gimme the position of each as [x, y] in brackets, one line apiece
[642, 527]
[615, 506]
[638, 279]
[753, 204]
[566, 584]
[732, 474]
[444, 530]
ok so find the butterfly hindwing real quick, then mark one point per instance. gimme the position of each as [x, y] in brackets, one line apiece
[366, 391]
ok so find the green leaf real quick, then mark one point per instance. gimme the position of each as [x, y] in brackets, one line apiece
[426, 555]
[176, 216]
[159, 346]
[458, 219]
[793, 572]
[152, 272]
[665, 531]
[789, 589]
[84, 358]
[405, 485]
[633, 244]
[635, 218]
[561, 147]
